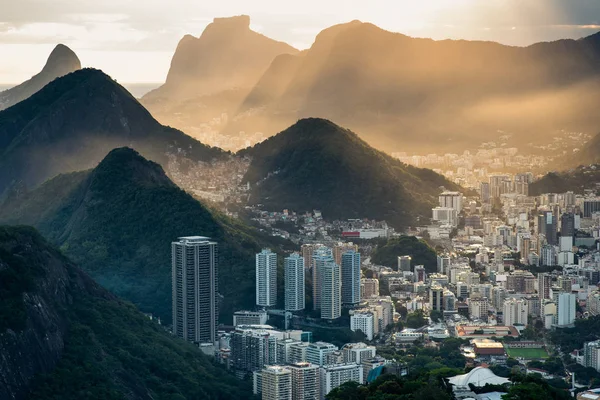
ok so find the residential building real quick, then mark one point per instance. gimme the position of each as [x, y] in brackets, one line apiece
[342, 247]
[591, 355]
[321, 257]
[336, 375]
[350, 278]
[356, 352]
[404, 263]
[276, 383]
[195, 285]
[566, 309]
[316, 352]
[515, 312]
[363, 321]
[294, 282]
[331, 290]
[369, 287]
[266, 279]
[250, 318]
[306, 379]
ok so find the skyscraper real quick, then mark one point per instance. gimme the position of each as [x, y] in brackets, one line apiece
[544, 285]
[294, 282]
[321, 256]
[331, 290]
[566, 309]
[340, 248]
[351, 278]
[567, 225]
[195, 285]
[547, 226]
[266, 278]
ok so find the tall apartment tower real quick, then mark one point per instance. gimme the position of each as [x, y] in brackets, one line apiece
[294, 282]
[195, 285]
[351, 278]
[305, 381]
[276, 383]
[266, 278]
[331, 290]
[544, 285]
[322, 256]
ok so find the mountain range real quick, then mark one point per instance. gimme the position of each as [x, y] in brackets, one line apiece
[74, 121]
[117, 222]
[316, 164]
[62, 336]
[406, 93]
[61, 61]
[212, 74]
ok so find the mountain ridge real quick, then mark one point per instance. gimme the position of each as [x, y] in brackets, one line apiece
[74, 121]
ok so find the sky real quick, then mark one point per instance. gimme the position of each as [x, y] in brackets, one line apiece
[134, 40]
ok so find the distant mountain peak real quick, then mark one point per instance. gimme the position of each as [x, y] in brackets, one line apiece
[62, 61]
[62, 57]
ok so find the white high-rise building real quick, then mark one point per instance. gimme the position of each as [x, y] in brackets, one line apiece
[350, 278]
[363, 321]
[316, 353]
[294, 282]
[336, 375]
[591, 355]
[356, 352]
[515, 311]
[321, 256]
[331, 290]
[276, 383]
[195, 285]
[306, 383]
[566, 309]
[266, 278]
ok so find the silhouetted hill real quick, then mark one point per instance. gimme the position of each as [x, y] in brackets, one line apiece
[61, 61]
[418, 94]
[117, 222]
[73, 122]
[64, 337]
[576, 180]
[316, 164]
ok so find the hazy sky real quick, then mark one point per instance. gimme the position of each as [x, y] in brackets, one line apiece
[133, 40]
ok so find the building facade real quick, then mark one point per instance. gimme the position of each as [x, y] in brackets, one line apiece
[195, 285]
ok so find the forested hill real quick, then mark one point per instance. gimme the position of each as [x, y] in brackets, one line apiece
[63, 337]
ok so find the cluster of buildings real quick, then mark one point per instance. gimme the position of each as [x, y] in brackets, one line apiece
[323, 368]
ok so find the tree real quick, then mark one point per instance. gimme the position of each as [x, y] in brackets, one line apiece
[436, 316]
[416, 319]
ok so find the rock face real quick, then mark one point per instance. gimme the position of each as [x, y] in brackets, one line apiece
[37, 344]
[62, 61]
[226, 56]
[73, 122]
